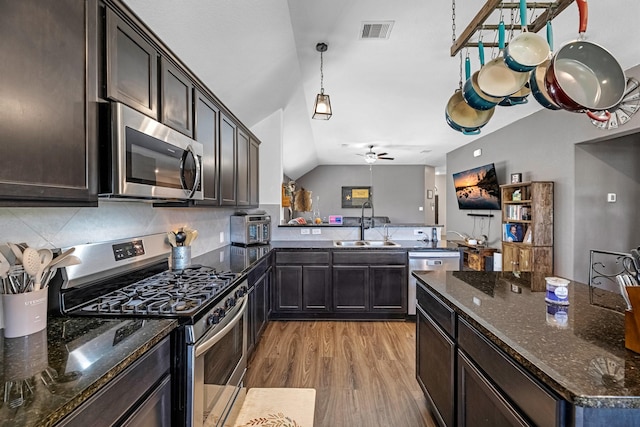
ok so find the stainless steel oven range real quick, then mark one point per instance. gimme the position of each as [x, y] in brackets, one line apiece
[130, 278]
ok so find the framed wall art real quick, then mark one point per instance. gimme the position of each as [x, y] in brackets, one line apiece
[516, 178]
[354, 197]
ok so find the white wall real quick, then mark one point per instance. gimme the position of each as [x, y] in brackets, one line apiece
[398, 191]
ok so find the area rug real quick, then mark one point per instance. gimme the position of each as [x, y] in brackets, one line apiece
[281, 407]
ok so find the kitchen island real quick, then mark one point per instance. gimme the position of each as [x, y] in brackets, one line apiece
[50, 374]
[539, 364]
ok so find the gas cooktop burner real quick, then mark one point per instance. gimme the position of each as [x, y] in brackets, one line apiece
[179, 292]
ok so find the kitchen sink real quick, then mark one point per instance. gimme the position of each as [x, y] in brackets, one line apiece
[365, 243]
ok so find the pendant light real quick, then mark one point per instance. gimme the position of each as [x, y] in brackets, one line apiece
[322, 107]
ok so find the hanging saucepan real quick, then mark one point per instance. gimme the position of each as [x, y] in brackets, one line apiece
[461, 116]
[464, 118]
[536, 81]
[520, 97]
[527, 50]
[472, 93]
[585, 77]
[498, 80]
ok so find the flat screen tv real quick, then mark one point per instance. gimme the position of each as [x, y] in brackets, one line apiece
[477, 188]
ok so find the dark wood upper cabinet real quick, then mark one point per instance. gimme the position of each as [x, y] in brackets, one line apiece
[48, 108]
[176, 99]
[131, 66]
[242, 169]
[206, 132]
[228, 154]
[254, 173]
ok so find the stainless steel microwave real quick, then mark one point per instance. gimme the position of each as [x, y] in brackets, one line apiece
[143, 159]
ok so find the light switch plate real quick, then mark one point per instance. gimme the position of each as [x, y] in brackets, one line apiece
[611, 197]
[304, 231]
[316, 231]
[221, 236]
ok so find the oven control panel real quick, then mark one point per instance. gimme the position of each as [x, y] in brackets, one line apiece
[122, 251]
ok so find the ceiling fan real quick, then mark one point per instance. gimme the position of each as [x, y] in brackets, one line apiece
[370, 157]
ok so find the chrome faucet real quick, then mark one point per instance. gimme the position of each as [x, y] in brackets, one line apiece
[366, 204]
[385, 232]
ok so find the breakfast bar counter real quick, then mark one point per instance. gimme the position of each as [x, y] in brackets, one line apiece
[576, 351]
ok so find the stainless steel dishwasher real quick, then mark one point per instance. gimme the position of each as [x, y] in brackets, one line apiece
[429, 260]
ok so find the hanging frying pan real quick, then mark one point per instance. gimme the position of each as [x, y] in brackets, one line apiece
[527, 50]
[461, 116]
[498, 80]
[472, 93]
[536, 81]
[583, 76]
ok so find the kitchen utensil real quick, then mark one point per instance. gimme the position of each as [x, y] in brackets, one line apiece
[172, 238]
[5, 265]
[520, 97]
[585, 77]
[635, 255]
[31, 263]
[527, 50]
[61, 257]
[181, 236]
[536, 80]
[472, 93]
[498, 80]
[46, 255]
[17, 251]
[623, 290]
[191, 236]
[68, 261]
[462, 117]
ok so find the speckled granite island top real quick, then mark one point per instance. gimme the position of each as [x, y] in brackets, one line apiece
[581, 357]
[59, 368]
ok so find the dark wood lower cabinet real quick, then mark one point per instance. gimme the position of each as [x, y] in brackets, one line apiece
[350, 288]
[316, 288]
[469, 381]
[435, 367]
[480, 404]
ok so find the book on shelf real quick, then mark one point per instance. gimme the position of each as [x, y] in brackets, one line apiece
[518, 212]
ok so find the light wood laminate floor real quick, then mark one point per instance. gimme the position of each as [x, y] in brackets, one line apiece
[363, 372]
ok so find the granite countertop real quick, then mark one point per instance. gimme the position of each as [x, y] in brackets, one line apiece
[419, 245]
[62, 366]
[581, 356]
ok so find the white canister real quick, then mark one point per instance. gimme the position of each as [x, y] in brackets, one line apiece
[557, 290]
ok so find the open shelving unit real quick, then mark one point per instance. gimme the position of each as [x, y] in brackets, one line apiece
[527, 209]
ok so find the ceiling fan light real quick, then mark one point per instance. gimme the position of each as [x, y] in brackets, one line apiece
[322, 107]
[370, 158]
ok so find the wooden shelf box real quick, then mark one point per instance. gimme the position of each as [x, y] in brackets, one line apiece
[528, 206]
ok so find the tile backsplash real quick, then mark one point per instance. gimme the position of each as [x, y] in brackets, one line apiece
[64, 227]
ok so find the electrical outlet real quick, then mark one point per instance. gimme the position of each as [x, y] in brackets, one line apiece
[477, 153]
[418, 232]
[420, 208]
[316, 231]
[221, 236]
[611, 197]
[304, 231]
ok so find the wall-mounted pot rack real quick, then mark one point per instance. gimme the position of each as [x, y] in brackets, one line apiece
[549, 10]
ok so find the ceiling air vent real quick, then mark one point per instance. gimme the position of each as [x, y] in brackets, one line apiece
[376, 30]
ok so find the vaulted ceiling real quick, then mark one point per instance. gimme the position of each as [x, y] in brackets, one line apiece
[259, 58]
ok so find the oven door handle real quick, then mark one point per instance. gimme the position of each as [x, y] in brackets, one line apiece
[210, 341]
